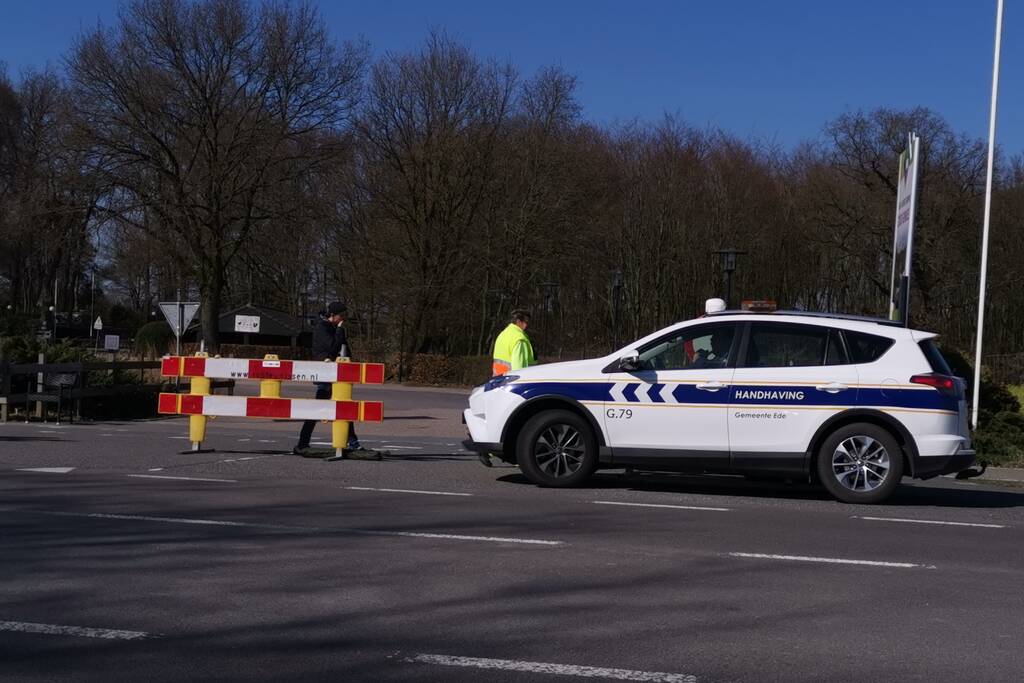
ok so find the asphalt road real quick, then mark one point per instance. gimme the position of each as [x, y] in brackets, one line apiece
[125, 560]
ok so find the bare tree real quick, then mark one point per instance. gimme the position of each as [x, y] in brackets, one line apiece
[431, 129]
[195, 111]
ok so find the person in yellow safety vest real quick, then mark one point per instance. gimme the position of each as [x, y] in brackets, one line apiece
[512, 351]
[512, 348]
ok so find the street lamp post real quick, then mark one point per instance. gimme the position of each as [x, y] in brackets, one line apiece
[550, 293]
[616, 302]
[728, 256]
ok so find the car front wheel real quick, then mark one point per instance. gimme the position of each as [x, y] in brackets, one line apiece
[557, 448]
[860, 463]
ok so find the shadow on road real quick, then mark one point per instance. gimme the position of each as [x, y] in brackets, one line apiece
[425, 457]
[32, 438]
[906, 495]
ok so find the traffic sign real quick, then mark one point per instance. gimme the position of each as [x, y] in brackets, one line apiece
[98, 325]
[179, 314]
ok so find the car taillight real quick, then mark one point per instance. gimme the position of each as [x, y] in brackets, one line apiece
[943, 383]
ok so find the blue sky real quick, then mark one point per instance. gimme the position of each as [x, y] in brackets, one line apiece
[771, 70]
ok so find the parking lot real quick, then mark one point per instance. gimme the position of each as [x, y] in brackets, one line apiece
[126, 559]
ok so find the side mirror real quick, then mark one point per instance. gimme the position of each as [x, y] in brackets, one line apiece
[629, 363]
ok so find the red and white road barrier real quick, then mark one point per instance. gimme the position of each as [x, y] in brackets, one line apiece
[340, 409]
[279, 408]
[283, 370]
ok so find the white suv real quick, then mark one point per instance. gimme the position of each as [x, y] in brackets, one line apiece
[856, 403]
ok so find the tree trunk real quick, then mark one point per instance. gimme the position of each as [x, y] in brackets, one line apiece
[210, 292]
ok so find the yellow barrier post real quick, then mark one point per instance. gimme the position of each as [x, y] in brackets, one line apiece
[340, 391]
[198, 386]
[270, 388]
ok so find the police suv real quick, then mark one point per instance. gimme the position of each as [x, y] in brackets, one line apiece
[854, 403]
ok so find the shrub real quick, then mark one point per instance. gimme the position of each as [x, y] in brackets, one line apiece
[26, 349]
[999, 438]
[154, 339]
[430, 368]
[1018, 392]
[995, 398]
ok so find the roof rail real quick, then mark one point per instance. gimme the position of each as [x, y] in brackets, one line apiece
[815, 314]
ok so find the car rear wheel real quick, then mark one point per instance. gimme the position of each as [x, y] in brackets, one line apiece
[557, 448]
[860, 463]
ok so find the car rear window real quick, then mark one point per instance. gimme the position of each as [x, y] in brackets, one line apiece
[934, 356]
[866, 348]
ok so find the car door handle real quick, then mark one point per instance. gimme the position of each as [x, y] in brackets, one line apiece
[711, 386]
[832, 387]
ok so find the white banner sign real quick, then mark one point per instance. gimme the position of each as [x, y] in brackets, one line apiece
[111, 342]
[903, 242]
[247, 323]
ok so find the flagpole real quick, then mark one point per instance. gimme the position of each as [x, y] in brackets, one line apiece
[988, 213]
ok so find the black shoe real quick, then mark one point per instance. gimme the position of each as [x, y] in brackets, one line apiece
[300, 450]
[362, 454]
[485, 459]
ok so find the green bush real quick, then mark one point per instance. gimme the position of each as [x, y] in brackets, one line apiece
[26, 349]
[1018, 392]
[154, 339]
[995, 398]
[999, 438]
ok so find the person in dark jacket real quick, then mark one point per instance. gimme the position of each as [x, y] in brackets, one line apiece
[330, 341]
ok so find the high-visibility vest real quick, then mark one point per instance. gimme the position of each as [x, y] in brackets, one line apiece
[512, 351]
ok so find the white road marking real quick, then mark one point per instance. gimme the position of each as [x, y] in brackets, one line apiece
[156, 469]
[58, 630]
[656, 505]
[929, 521]
[48, 470]
[429, 493]
[558, 669]
[267, 441]
[106, 434]
[158, 476]
[185, 438]
[286, 527]
[245, 439]
[833, 560]
[44, 431]
[240, 459]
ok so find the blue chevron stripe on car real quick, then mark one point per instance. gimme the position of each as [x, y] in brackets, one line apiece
[760, 395]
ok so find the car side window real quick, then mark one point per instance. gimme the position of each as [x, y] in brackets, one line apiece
[706, 346]
[780, 345]
[835, 352]
[866, 348]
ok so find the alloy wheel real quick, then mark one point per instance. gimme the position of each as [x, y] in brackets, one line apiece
[860, 463]
[559, 450]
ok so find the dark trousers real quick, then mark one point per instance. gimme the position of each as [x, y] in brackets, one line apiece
[323, 390]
